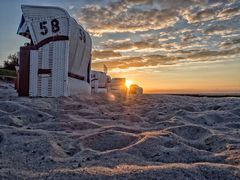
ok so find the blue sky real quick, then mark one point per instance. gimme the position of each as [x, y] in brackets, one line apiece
[159, 44]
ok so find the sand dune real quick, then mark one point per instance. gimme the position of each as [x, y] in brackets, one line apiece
[99, 137]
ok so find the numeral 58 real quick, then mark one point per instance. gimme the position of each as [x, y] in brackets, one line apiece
[54, 25]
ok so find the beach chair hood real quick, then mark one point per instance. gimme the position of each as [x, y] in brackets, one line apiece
[23, 29]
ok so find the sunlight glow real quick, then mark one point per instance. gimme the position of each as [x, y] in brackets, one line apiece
[128, 83]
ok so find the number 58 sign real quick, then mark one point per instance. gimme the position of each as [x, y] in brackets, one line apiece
[52, 27]
[45, 28]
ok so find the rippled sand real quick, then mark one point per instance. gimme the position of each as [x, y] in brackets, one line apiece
[102, 137]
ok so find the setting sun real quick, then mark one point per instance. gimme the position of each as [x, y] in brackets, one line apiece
[128, 83]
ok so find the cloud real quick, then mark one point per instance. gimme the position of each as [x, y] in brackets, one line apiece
[194, 16]
[167, 4]
[217, 11]
[145, 43]
[219, 30]
[142, 34]
[206, 53]
[122, 17]
[105, 54]
[230, 43]
[152, 61]
[229, 13]
[70, 7]
[124, 44]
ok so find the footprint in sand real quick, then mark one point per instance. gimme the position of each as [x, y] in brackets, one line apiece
[215, 143]
[9, 106]
[233, 125]
[190, 132]
[109, 140]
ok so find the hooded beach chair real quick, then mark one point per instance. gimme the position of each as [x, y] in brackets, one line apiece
[135, 89]
[57, 62]
[118, 86]
[99, 81]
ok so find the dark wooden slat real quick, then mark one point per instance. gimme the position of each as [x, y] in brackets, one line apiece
[24, 65]
[76, 76]
[94, 79]
[51, 39]
[44, 71]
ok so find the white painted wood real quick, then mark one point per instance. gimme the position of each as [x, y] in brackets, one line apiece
[33, 73]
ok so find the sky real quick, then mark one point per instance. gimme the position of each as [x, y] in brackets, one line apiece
[161, 45]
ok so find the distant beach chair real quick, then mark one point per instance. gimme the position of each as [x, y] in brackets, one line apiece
[135, 89]
[57, 62]
[100, 82]
[118, 86]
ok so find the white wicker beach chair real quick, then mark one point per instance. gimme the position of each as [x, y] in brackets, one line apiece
[59, 57]
[99, 82]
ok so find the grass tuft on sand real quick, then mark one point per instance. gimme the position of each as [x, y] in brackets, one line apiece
[6, 72]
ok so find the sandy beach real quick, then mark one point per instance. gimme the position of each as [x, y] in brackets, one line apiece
[105, 137]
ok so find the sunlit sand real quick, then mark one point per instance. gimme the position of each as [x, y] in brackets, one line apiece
[104, 136]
